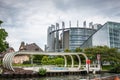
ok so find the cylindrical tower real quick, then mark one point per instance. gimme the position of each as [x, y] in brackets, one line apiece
[63, 27]
[57, 38]
[52, 38]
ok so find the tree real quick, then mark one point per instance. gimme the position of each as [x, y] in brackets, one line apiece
[67, 50]
[78, 49]
[107, 54]
[1, 22]
[45, 60]
[37, 58]
[92, 52]
[3, 35]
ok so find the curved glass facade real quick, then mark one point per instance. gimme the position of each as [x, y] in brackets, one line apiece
[108, 35]
[77, 36]
[114, 32]
[74, 37]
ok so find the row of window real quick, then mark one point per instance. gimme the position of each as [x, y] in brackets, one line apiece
[73, 47]
[75, 43]
[115, 46]
[78, 39]
[81, 32]
[114, 39]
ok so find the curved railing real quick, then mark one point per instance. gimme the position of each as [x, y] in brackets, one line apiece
[8, 58]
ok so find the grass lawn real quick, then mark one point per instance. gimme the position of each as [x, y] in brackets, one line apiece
[107, 67]
[23, 65]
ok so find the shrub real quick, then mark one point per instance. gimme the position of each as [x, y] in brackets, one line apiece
[115, 69]
[26, 62]
[42, 71]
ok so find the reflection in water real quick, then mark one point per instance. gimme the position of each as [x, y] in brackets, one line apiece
[68, 77]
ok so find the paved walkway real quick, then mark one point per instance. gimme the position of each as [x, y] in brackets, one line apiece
[54, 69]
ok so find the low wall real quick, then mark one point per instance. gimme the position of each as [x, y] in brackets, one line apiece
[48, 74]
[113, 77]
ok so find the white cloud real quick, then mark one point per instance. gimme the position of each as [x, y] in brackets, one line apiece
[27, 20]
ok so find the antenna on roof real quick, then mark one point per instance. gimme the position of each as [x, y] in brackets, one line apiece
[63, 24]
[77, 23]
[70, 24]
[84, 24]
[90, 25]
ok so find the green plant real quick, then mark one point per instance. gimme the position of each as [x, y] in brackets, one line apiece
[67, 50]
[59, 61]
[78, 49]
[3, 44]
[26, 62]
[115, 69]
[42, 71]
[45, 60]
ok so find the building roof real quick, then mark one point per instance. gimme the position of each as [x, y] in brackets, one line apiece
[30, 47]
[10, 49]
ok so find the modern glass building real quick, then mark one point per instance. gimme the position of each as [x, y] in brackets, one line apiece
[107, 35]
[77, 36]
[60, 39]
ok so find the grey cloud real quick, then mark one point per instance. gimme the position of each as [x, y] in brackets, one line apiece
[8, 14]
[73, 4]
[118, 14]
[16, 11]
[99, 7]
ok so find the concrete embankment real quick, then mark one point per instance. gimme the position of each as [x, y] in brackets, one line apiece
[48, 74]
[112, 77]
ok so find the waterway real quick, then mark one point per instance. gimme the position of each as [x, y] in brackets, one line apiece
[68, 77]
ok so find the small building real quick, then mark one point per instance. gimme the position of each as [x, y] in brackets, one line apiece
[29, 47]
[26, 47]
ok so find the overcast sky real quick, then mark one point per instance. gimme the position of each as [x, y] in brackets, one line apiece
[28, 20]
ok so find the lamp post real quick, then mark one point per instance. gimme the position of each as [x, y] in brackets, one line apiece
[98, 59]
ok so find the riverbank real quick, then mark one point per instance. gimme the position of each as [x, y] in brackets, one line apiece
[64, 77]
[21, 73]
[111, 77]
[36, 74]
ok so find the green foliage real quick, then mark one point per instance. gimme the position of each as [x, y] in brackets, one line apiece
[75, 58]
[97, 50]
[37, 59]
[23, 65]
[67, 50]
[42, 71]
[115, 69]
[26, 62]
[45, 60]
[59, 61]
[3, 35]
[78, 49]
[107, 67]
[1, 22]
[52, 61]
[3, 43]
[107, 54]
